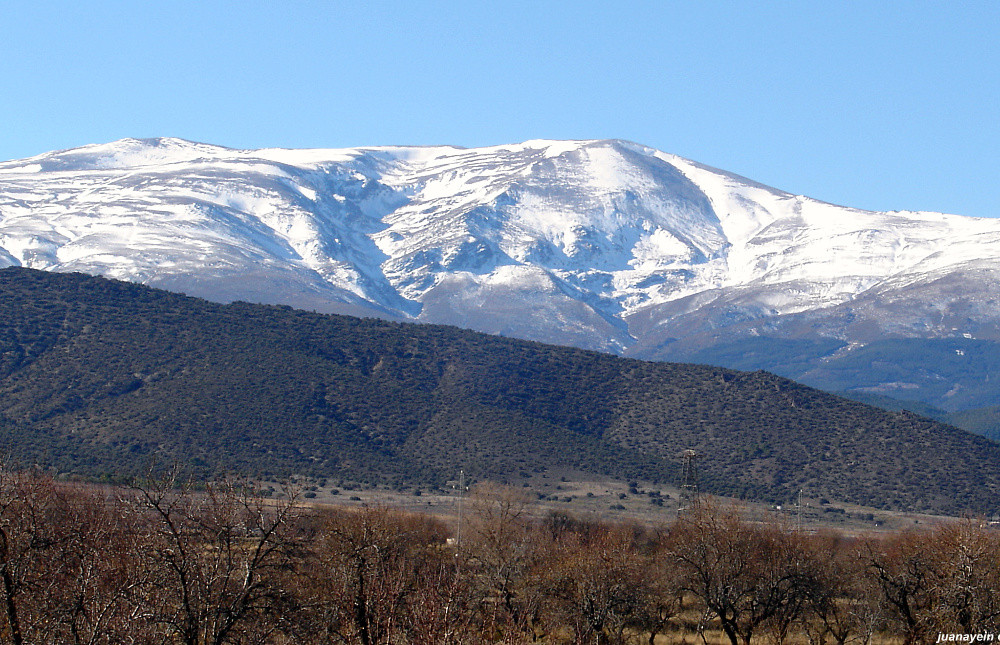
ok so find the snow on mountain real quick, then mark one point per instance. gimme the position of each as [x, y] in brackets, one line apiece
[602, 244]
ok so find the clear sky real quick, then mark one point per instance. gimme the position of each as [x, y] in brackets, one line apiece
[880, 105]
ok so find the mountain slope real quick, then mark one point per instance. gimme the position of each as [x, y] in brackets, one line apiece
[99, 375]
[604, 245]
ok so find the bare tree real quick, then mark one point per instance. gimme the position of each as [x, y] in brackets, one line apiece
[604, 584]
[372, 568]
[28, 544]
[100, 577]
[969, 576]
[902, 570]
[746, 575]
[941, 579]
[841, 603]
[65, 563]
[501, 547]
[213, 555]
[440, 609]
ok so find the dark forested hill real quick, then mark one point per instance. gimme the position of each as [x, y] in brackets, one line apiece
[100, 376]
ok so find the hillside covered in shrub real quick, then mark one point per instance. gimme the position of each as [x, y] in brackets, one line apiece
[104, 377]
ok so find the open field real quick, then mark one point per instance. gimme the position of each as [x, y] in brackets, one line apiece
[609, 500]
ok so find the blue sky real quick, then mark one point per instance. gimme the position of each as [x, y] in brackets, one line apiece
[879, 105]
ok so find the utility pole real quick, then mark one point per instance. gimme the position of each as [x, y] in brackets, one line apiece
[461, 493]
[798, 513]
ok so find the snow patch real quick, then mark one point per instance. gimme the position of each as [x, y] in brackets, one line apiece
[26, 169]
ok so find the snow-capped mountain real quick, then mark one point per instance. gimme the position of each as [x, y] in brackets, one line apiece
[607, 245]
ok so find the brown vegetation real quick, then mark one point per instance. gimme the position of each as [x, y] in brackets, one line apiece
[161, 562]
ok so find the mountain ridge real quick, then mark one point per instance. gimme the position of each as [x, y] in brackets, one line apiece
[604, 244]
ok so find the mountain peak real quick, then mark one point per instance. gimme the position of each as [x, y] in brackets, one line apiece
[123, 154]
[605, 243]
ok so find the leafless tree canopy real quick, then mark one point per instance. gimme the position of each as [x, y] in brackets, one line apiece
[161, 562]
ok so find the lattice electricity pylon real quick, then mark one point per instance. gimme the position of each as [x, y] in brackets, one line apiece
[689, 480]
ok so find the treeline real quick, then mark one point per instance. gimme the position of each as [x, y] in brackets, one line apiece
[162, 563]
